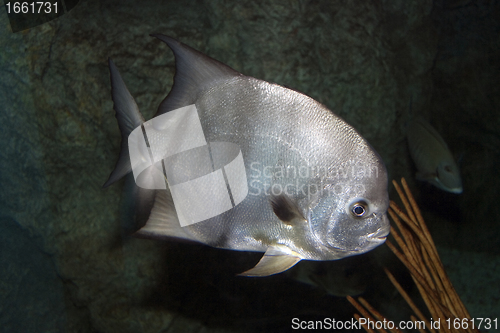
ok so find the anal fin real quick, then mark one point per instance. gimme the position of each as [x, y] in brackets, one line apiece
[274, 261]
[163, 221]
[129, 117]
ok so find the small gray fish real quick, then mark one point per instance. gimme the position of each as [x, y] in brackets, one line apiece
[314, 188]
[432, 157]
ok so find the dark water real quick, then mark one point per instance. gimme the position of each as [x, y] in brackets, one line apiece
[69, 262]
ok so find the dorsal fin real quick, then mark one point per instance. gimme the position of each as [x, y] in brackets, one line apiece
[431, 131]
[194, 73]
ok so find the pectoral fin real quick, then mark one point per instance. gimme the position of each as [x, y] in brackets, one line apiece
[274, 261]
[286, 210]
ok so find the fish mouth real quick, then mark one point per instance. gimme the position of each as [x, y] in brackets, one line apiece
[378, 236]
[456, 190]
[378, 240]
[372, 241]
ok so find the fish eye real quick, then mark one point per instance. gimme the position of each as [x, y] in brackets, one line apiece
[359, 208]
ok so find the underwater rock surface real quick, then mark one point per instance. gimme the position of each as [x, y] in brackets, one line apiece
[29, 284]
[363, 60]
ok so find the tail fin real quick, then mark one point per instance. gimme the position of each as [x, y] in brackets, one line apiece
[129, 118]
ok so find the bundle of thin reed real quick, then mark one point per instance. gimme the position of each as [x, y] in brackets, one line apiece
[420, 257]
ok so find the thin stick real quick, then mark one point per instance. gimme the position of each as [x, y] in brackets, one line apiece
[421, 330]
[443, 299]
[430, 296]
[456, 304]
[362, 311]
[358, 318]
[430, 305]
[442, 280]
[439, 284]
[431, 278]
[420, 279]
[410, 244]
[402, 245]
[401, 214]
[375, 313]
[404, 200]
[407, 298]
[414, 205]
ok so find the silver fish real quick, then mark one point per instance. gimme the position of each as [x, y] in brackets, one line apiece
[316, 189]
[432, 157]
